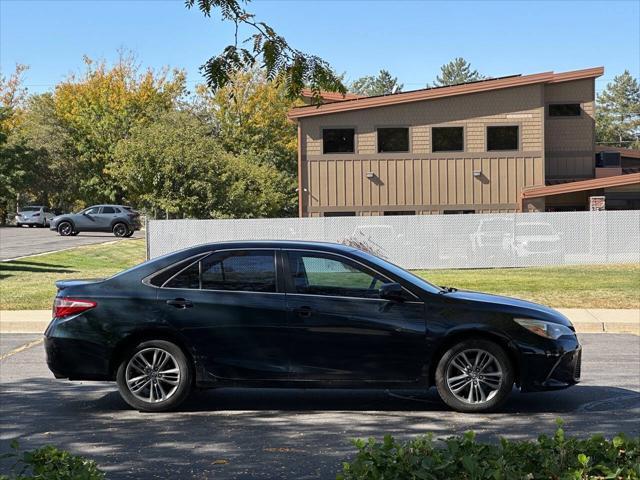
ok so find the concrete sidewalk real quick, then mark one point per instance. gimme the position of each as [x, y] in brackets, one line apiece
[586, 320]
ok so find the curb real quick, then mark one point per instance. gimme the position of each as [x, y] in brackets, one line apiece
[36, 321]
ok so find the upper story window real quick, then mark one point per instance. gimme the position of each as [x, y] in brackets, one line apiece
[564, 110]
[447, 139]
[503, 137]
[393, 139]
[338, 140]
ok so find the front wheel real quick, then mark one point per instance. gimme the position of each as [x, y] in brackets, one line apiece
[155, 376]
[475, 376]
[65, 229]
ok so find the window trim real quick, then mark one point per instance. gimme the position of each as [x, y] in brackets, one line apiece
[554, 117]
[510, 124]
[201, 256]
[409, 139]
[339, 127]
[464, 138]
[290, 289]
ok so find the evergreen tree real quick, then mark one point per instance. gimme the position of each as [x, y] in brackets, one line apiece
[381, 84]
[455, 72]
[618, 113]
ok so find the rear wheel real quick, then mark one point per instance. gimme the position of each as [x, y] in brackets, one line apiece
[120, 229]
[129, 233]
[65, 229]
[475, 376]
[74, 233]
[155, 376]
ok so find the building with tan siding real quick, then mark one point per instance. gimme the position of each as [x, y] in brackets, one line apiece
[470, 148]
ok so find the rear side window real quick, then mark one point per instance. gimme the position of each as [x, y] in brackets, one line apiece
[245, 271]
[188, 278]
[108, 210]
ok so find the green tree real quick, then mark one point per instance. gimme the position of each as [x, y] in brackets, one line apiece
[266, 49]
[175, 167]
[455, 72]
[381, 84]
[618, 112]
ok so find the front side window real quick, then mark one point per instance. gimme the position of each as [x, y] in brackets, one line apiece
[447, 139]
[91, 211]
[247, 271]
[338, 140]
[319, 274]
[564, 110]
[393, 139]
[502, 138]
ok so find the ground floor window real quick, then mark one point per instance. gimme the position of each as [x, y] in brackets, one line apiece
[458, 212]
[339, 214]
[399, 212]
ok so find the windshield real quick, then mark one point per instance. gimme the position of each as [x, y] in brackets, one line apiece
[399, 272]
[30, 209]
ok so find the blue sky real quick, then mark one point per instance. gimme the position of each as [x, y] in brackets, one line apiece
[409, 38]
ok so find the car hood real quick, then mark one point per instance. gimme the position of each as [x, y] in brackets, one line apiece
[509, 305]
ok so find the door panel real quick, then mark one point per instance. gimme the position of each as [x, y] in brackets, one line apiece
[228, 306]
[87, 220]
[353, 338]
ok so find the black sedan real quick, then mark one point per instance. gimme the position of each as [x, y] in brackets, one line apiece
[300, 314]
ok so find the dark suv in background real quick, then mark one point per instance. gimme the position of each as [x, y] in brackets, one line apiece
[121, 220]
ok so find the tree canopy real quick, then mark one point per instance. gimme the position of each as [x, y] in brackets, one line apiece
[455, 72]
[382, 84]
[618, 112]
[263, 48]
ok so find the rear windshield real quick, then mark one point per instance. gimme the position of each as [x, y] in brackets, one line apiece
[30, 209]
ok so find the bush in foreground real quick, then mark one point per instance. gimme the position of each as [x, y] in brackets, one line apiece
[463, 458]
[50, 463]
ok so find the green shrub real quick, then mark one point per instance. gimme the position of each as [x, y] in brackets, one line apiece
[463, 458]
[50, 463]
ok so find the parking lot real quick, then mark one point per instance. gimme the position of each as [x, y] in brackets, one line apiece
[289, 434]
[20, 242]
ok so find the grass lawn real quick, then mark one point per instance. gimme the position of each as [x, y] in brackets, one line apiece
[28, 284]
[580, 286]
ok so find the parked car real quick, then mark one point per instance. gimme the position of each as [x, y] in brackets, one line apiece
[285, 313]
[119, 219]
[34, 216]
[503, 236]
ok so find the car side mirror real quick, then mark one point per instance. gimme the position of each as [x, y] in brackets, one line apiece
[392, 291]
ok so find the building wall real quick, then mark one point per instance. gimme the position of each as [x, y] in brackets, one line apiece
[570, 141]
[422, 181]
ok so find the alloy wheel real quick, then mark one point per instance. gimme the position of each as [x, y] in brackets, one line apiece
[65, 229]
[152, 375]
[120, 230]
[474, 376]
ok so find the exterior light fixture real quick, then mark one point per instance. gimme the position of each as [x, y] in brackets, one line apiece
[371, 175]
[477, 173]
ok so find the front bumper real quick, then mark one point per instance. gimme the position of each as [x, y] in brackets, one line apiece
[552, 370]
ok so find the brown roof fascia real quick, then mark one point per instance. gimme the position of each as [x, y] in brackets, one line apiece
[433, 93]
[591, 184]
[332, 96]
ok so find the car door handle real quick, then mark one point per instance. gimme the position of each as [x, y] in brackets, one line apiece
[180, 303]
[303, 312]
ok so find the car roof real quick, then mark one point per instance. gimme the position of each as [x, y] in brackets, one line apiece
[296, 244]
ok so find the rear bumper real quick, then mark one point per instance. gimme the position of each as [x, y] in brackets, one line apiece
[77, 359]
[551, 370]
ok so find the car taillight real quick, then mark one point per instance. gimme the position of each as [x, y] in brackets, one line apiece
[65, 306]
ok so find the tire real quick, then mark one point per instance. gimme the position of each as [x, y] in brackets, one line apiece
[481, 389]
[18, 225]
[120, 229]
[65, 229]
[74, 233]
[129, 233]
[176, 387]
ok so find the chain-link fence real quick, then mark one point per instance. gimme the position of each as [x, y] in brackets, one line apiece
[438, 241]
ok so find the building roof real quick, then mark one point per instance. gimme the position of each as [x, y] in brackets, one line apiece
[624, 152]
[331, 96]
[442, 92]
[582, 185]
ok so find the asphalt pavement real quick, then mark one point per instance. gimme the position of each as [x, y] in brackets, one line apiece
[289, 434]
[21, 242]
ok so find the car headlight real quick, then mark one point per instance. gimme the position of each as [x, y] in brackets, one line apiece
[544, 329]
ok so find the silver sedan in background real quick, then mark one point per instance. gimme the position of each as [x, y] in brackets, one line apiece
[34, 216]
